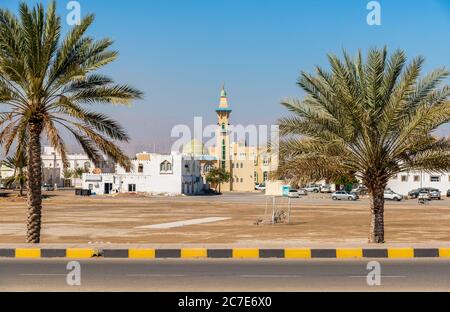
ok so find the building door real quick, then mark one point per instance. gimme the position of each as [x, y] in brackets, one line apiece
[108, 188]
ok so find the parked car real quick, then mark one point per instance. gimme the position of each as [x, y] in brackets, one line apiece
[47, 188]
[448, 193]
[325, 189]
[293, 194]
[424, 195]
[303, 192]
[414, 193]
[260, 187]
[434, 193]
[360, 190]
[343, 195]
[2, 186]
[391, 195]
[313, 188]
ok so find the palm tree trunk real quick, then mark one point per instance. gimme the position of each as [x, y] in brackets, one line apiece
[34, 184]
[377, 214]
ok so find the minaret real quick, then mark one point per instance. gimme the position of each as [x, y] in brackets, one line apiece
[222, 135]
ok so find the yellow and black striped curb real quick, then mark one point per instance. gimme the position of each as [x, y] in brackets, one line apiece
[234, 253]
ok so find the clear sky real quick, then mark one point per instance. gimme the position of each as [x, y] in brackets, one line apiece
[179, 52]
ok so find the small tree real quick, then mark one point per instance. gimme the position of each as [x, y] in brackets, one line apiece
[68, 174]
[217, 176]
[19, 163]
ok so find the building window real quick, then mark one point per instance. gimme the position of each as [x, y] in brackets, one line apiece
[166, 167]
[266, 161]
[266, 176]
[141, 168]
[208, 167]
[91, 186]
[242, 180]
[416, 178]
[256, 177]
[435, 179]
[404, 178]
[132, 188]
[242, 165]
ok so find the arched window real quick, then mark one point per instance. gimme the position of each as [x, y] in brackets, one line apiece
[166, 167]
[208, 167]
[141, 168]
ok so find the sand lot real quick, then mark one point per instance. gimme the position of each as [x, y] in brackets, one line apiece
[129, 219]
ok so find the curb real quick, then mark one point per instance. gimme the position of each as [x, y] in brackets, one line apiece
[234, 253]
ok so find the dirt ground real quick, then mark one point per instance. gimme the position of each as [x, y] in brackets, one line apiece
[115, 220]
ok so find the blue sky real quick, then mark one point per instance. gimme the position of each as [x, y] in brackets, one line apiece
[179, 52]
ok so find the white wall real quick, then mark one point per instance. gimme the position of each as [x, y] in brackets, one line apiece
[415, 180]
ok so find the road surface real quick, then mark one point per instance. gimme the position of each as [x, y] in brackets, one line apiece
[225, 275]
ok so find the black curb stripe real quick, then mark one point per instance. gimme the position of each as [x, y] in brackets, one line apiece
[168, 253]
[426, 253]
[323, 253]
[53, 253]
[7, 253]
[271, 253]
[375, 253]
[115, 253]
[220, 253]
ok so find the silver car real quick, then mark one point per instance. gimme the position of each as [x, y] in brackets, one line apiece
[343, 195]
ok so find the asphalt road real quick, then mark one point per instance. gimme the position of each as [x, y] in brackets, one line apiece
[224, 275]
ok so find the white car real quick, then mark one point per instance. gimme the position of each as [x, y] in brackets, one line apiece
[313, 188]
[293, 194]
[325, 189]
[260, 187]
[390, 195]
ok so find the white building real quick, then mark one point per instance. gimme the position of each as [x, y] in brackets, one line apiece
[5, 172]
[151, 173]
[53, 167]
[407, 181]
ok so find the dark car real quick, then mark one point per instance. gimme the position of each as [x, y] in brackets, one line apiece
[448, 193]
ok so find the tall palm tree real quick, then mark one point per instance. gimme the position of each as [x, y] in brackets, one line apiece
[48, 83]
[373, 118]
[19, 163]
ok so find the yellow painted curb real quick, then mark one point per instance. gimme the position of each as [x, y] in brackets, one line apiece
[400, 253]
[80, 253]
[349, 253]
[297, 253]
[245, 253]
[444, 252]
[28, 253]
[141, 253]
[194, 253]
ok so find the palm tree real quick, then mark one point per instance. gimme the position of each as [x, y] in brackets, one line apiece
[372, 118]
[47, 83]
[19, 163]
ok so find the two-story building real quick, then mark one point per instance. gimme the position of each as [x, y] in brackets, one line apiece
[150, 173]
